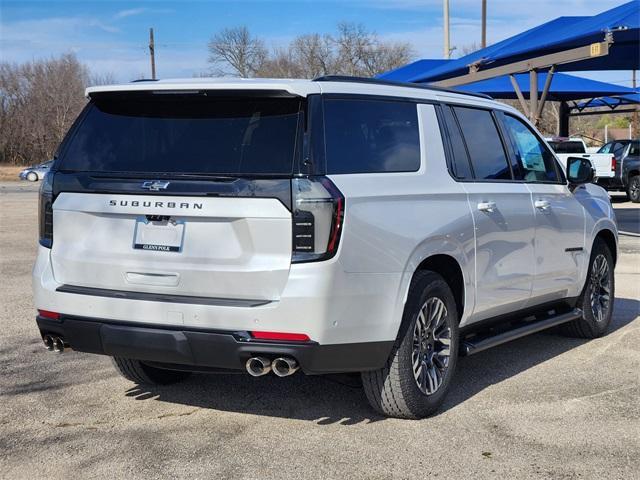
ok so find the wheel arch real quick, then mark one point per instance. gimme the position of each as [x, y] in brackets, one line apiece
[449, 268]
[448, 257]
[609, 238]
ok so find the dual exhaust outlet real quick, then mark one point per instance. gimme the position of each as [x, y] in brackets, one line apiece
[281, 366]
[53, 343]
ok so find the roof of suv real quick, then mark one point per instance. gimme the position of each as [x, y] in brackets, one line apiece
[298, 87]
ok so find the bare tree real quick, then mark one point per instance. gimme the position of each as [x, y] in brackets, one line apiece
[280, 64]
[386, 56]
[107, 78]
[238, 49]
[465, 50]
[362, 53]
[39, 101]
[314, 54]
[352, 51]
[353, 42]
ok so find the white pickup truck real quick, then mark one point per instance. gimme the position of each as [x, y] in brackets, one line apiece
[604, 163]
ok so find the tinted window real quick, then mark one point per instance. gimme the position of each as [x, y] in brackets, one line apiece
[606, 148]
[186, 134]
[617, 149]
[635, 149]
[483, 144]
[534, 158]
[567, 147]
[461, 165]
[364, 136]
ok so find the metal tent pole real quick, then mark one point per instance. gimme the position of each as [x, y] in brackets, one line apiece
[533, 96]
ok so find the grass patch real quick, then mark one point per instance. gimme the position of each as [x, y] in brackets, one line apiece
[10, 172]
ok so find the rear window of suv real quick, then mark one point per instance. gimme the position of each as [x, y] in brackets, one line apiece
[569, 146]
[371, 136]
[185, 134]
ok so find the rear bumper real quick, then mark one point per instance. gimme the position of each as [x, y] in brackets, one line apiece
[199, 349]
[331, 306]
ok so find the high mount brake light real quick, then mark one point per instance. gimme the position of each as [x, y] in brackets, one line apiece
[318, 214]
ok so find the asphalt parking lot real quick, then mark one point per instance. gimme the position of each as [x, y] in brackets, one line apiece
[542, 407]
[627, 214]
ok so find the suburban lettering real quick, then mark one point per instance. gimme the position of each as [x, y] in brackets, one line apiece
[146, 203]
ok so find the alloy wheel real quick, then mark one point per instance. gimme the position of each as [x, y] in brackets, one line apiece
[431, 346]
[600, 288]
[634, 189]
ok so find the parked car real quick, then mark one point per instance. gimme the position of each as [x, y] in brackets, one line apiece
[627, 168]
[35, 172]
[334, 225]
[565, 148]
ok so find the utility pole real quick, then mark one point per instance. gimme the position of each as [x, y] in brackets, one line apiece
[447, 46]
[483, 41]
[152, 52]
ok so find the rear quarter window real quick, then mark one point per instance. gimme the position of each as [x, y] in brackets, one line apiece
[484, 144]
[371, 136]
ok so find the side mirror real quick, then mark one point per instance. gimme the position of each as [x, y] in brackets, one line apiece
[579, 171]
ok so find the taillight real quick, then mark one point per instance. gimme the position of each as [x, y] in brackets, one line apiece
[45, 212]
[318, 212]
[613, 164]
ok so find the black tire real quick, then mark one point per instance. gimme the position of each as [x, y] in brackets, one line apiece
[141, 373]
[32, 177]
[393, 390]
[589, 326]
[633, 189]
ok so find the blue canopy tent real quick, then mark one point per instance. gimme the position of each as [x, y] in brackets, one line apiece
[412, 70]
[612, 102]
[607, 41]
[565, 87]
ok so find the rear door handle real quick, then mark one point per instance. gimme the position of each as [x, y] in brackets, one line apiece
[487, 206]
[542, 204]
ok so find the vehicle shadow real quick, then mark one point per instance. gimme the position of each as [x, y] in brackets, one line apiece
[618, 199]
[340, 399]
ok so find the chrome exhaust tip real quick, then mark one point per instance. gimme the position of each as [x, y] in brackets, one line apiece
[283, 366]
[258, 366]
[48, 342]
[58, 345]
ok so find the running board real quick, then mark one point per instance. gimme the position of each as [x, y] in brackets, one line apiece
[469, 347]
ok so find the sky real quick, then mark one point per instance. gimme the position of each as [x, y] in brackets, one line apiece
[112, 36]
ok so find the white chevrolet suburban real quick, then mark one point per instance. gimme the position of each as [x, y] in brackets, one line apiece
[329, 225]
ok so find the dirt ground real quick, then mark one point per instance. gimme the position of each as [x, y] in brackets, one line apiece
[9, 173]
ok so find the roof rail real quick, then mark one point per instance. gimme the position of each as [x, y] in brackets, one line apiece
[144, 80]
[392, 83]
